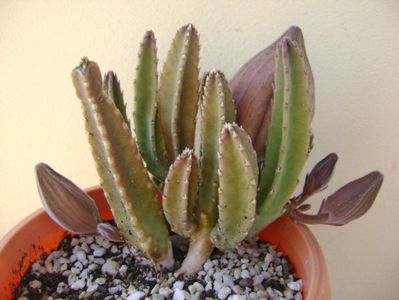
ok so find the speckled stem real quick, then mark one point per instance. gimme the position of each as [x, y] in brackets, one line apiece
[180, 193]
[178, 92]
[112, 89]
[216, 108]
[144, 112]
[129, 190]
[289, 134]
[238, 176]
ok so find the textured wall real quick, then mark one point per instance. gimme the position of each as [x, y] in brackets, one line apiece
[353, 47]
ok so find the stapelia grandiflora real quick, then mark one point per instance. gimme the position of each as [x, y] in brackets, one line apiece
[226, 161]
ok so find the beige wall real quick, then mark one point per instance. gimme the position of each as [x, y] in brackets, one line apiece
[354, 50]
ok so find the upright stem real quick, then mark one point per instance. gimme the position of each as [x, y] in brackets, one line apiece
[199, 251]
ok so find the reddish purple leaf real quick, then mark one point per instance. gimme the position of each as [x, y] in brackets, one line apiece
[109, 232]
[320, 175]
[65, 202]
[304, 207]
[352, 200]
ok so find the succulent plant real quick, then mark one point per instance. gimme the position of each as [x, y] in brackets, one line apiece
[216, 189]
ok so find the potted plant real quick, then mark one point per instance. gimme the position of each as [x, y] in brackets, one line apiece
[220, 183]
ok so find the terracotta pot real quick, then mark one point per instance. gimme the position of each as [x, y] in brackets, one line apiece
[37, 234]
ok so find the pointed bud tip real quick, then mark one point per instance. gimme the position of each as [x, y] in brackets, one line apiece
[294, 29]
[41, 165]
[231, 127]
[42, 168]
[186, 152]
[111, 75]
[333, 156]
[149, 36]
[84, 66]
[189, 28]
[377, 175]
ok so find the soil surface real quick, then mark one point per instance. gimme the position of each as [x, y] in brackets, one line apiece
[89, 267]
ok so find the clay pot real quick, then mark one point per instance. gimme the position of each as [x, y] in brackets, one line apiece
[37, 234]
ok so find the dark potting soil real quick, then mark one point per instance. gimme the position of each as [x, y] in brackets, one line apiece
[89, 267]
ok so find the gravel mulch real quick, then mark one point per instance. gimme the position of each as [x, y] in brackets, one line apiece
[89, 267]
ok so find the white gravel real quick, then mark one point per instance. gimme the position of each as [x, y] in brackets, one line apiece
[252, 271]
[110, 267]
